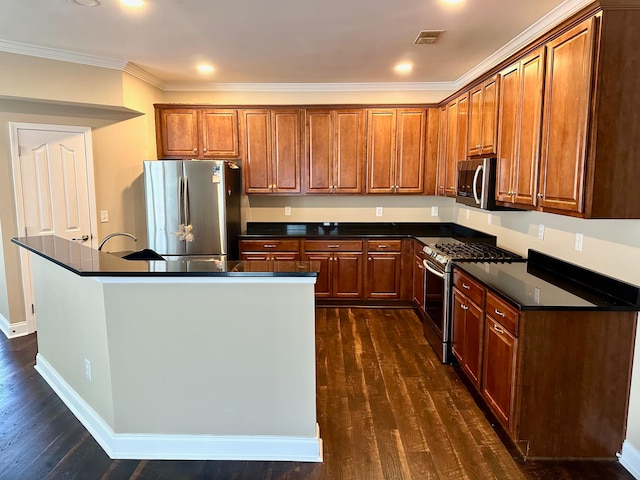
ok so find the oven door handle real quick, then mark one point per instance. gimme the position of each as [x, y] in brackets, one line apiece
[475, 184]
[432, 270]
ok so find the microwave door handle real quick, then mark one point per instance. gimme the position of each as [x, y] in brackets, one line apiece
[475, 183]
[432, 270]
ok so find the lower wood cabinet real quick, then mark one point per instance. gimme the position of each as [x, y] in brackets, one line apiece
[557, 380]
[384, 260]
[341, 267]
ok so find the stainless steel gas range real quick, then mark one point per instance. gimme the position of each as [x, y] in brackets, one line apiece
[438, 281]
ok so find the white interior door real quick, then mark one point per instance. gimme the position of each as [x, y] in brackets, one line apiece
[53, 178]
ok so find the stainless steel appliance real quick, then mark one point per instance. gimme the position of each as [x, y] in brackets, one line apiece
[438, 285]
[477, 184]
[193, 207]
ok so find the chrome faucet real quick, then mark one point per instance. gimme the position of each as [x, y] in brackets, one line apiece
[111, 235]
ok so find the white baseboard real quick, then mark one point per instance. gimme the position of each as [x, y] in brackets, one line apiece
[179, 447]
[630, 459]
[13, 330]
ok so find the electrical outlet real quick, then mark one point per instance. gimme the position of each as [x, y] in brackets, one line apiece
[536, 295]
[87, 369]
[466, 213]
[104, 216]
[579, 239]
[490, 219]
[541, 232]
[434, 211]
[378, 211]
[287, 210]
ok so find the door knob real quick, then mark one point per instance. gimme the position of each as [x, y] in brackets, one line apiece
[83, 238]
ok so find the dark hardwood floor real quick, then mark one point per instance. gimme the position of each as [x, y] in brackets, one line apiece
[387, 409]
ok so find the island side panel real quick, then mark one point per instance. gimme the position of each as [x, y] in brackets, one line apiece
[213, 358]
[71, 328]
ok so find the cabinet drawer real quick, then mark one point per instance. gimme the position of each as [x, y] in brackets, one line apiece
[337, 245]
[418, 250]
[502, 312]
[384, 245]
[470, 288]
[267, 245]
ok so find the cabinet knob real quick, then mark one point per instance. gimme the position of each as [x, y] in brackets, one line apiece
[204, 149]
[370, 259]
[540, 195]
[478, 146]
[195, 150]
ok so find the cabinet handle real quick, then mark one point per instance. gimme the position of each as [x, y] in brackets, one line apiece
[497, 328]
[204, 149]
[334, 246]
[383, 246]
[464, 285]
[419, 264]
[540, 195]
[441, 187]
[464, 307]
[269, 245]
[478, 146]
[498, 312]
[195, 150]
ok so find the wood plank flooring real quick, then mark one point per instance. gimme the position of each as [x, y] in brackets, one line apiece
[387, 409]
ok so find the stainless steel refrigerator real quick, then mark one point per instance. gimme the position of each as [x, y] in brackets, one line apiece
[193, 207]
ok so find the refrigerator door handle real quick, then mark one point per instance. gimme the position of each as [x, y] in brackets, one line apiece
[188, 229]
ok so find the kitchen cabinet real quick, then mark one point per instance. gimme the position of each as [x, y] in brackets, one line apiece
[384, 261]
[341, 267]
[335, 156]
[272, 148]
[468, 325]
[453, 144]
[500, 349]
[483, 117]
[203, 133]
[395, 150]
[270, 249]
[519, 123]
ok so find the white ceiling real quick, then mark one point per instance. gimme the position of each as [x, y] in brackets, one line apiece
[278, 41]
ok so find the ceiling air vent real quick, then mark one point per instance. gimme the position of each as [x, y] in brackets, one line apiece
[428, 37]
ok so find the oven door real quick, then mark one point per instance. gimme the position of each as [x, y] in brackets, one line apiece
[436, 328]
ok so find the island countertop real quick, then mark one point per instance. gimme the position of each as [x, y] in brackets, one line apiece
[87, 262]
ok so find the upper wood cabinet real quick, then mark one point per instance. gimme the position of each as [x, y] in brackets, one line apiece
[196, 133]
[395, 150]
[483, 117]
[521, 90]
[454, 120]
[272, 147]
[335, 156]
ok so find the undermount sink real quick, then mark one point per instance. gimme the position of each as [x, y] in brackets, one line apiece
[144, 254]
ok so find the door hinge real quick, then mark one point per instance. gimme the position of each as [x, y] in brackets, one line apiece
[33, 309]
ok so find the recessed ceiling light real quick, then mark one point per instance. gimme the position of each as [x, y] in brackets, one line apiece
[452, 2]
[85, 3]
[205, 68]
[404, 67]
[132, 3]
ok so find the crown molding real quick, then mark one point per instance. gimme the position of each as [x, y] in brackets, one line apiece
[311, 87]
[141, 74]
[62, 55]
[550, 20]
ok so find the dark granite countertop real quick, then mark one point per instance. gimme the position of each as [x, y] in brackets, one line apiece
[545, 283]
[368, 230]
[85, 261]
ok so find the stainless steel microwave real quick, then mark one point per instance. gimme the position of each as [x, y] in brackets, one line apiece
[477, 184]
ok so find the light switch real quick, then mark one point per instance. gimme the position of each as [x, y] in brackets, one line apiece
[541, 232]
[378, 211]
[287, 210]
[434, 211]
[104, 216]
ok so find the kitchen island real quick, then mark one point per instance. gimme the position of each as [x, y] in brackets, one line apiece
[180, 359]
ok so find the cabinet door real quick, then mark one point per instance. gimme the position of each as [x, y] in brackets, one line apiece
[565, 119]
[490, 90]
[350, 147]
[323, 281]
[381, 151]
[410, 151]
[218, 133]
[451, 173]
[527, 161]
[177, 132]
[458, 320]
[256, 134]
[383, 275]
[320, 157]
[285, 155]
[475, 121]
[508, 128]
[498, 378]
[474, 325]
[441, 180]
[462, 129]
[347, 274]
